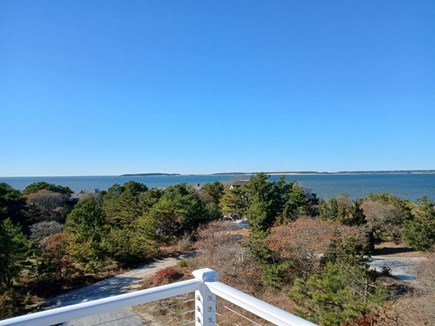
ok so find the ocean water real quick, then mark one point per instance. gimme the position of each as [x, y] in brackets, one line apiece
[407, 186]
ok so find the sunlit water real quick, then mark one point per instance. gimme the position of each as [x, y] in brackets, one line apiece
[408, 186]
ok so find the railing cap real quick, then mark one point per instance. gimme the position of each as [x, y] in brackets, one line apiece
[205, 275]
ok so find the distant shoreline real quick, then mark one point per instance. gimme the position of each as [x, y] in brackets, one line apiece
[286, 173]
[272, 173]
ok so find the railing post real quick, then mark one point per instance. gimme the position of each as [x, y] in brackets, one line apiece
[205, 301]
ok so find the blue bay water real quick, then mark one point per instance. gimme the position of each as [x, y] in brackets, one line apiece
[407, 186]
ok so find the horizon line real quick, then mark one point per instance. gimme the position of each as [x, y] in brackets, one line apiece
[233, 173]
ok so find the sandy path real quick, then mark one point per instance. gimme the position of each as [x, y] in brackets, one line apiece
[120, 284]
[403, 268]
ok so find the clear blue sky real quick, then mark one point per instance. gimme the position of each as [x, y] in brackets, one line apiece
[111, 87]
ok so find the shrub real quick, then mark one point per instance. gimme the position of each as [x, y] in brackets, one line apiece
[182, 263]
[338, 295]
[14, 253]
[43, 229]
[46, 205]
[307, 240]
[384, 218]
[419, 232]
[342, 209]
[222, 249]
[10, 304]
[168, 275]
[56, 263]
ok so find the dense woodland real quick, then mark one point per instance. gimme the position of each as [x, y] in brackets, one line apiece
[302, 253]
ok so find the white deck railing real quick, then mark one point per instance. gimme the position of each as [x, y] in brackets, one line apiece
[206, 289]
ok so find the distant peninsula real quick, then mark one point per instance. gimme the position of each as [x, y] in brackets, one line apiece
[149, 174]
[285, 173]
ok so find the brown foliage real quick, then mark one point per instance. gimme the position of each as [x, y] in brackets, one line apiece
[53, 243]
[383, 218]
[55, 256]
[222, 249]
[46, 205]
[366, 320]
[306, 240]
[168, 275]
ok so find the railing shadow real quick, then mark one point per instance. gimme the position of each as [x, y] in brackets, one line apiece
[106, 288]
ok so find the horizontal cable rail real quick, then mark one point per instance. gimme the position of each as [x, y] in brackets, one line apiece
[204, 285]
[243, 316]
[257, 307]
[68, 313]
